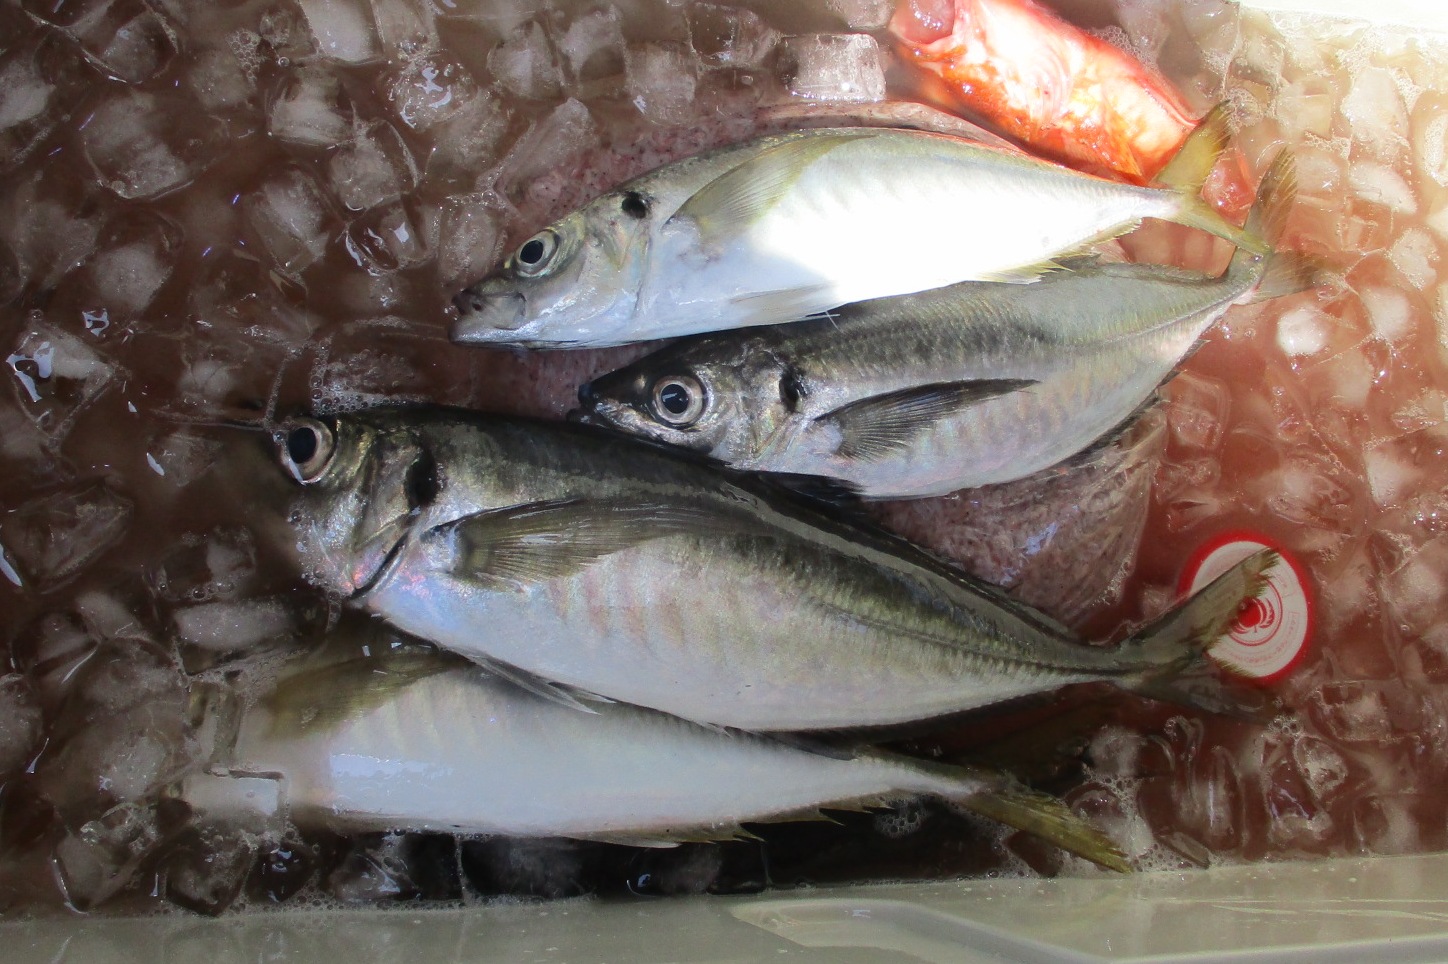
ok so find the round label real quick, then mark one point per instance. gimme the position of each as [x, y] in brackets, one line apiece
[1271, 632]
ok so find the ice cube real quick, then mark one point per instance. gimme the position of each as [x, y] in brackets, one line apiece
[542, 161]
[98, 861]
[55, 537]
[1380, 184]
[220, 82]
[56, 376]
[550, 869]
[1302, 330]
[292, 218]
[127, 40]
[20, 723]
[1398, 468]
[385, 360]
[1415, 254]
[1390, 823]
[661, 78]
[1311, 490]
[1414, 589]
[205, 869]
[224, 374]
[218, 565]
[834, 67]
[234, 291]
[342, 29]
[405, 28]
[386, 239]
[1389, 312]
[311, 108]
[372, 169]
[1375, 114]
[50, 223]
[1430, 123]
[465, 234]
[1372, 713]
[40, 81]
[592, 47]
[1304, 107]
[376, 869]
[526, 63]
[730, 36]
[135, 257]
[862, 14]
[138, 152]
[50, 652]
[1197, 412]
[224, 626]
[181, 457]
[252, 802]
[435, 96]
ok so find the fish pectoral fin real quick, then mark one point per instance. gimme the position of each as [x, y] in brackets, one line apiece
[727, 205]
[540, 687]
[781, 304]
[1023, 275]
[547, 540]
[872, 428]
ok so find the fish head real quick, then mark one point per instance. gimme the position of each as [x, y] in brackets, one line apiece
[363, 485]
[574, 283]
[726, 397]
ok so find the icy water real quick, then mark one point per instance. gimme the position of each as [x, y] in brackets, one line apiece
[216, 213]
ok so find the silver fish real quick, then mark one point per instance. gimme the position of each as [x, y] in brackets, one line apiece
[791, 224]
[421, 741]
[576, 562]
[963, 386]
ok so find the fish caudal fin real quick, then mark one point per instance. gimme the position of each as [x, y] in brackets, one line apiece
[1187, 172]
[1175, 646]
[1050, 819]
[1285, 272]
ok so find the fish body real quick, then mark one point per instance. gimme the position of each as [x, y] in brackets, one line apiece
[1054, 87]
[924, 394]
[420, 741]
[792, 224]
[563, 555]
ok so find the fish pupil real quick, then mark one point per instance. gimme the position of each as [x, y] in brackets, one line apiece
[531, 252]
[420, 486]
[634, 205]
[302, 445]
[674, 398]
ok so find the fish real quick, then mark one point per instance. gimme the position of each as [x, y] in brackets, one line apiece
[791, 224]
[587, 567]
[1052, 86]
[418, 741]
[959, 387]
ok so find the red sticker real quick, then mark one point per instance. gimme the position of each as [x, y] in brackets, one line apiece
[1271, 632]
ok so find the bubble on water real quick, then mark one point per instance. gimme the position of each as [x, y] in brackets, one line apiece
[834, 67]
[905, 817]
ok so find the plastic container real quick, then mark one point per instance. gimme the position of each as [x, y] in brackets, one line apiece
[1383, 909]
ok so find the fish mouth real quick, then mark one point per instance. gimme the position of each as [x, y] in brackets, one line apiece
[485, 318]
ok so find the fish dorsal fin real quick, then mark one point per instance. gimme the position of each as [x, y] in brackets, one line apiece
[732, 201]
[1022, 275]
[546, 540]
[872, 428]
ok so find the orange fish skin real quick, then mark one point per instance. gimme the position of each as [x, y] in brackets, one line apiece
[1046, 83]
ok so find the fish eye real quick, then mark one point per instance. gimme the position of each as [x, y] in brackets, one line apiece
[634, 205]
[678, 400]
[307, 447]
[535, 255]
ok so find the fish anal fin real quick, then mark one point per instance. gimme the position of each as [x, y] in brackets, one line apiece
[727, 205]
[1050, 819]
[547, 540]
[873, 428]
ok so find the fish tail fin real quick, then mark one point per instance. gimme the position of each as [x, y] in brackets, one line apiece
[1187, 172]
[1284, 272]
[1001, 797]
[1050, 819]
[1174, 647]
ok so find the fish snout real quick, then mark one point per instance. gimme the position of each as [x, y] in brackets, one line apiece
[486, 317]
